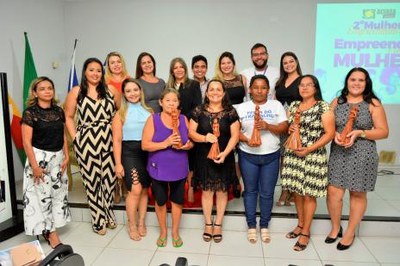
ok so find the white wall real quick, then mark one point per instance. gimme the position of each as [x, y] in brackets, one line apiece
[44, 22]
[164, 28]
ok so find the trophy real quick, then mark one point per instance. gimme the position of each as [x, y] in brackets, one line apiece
[175, 130]
[255, 139]
[294, 142]
[349, 124]
[214, 150]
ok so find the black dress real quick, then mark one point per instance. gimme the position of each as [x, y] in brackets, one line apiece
[289, 94]
[207, 174]
[235, 89]
[190, 96]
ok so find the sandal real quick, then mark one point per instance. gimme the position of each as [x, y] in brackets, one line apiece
[133, 233]
[207, 236]
[111, 225]
[101, 232]
[161, 242]
[293, 234]
[177, 243]
[300, 247]
[265, 236]
[252, 235]
[142, 229]
[217, 237]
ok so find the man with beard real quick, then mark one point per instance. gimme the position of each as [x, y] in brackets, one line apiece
[259, 56]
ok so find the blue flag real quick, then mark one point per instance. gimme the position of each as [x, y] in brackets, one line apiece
[73, 78]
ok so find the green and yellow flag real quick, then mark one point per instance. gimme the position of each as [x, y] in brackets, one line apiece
[29, 69]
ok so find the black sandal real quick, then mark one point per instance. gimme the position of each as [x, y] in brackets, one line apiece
[300, 247]
[45, 235]
[207, 236]
[292, 234]
[217, 237]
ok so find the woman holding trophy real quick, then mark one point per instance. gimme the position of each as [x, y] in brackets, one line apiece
[262, 121]
[305, 167]
[214, 125]
[353, 164]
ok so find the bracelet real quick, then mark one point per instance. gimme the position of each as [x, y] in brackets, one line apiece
[363, 135]
[205, 138]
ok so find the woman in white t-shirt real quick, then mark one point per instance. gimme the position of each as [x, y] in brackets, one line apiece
[259, 164]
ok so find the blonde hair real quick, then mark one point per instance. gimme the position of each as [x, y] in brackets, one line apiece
[124, 103]
[171, 79]
[218, 72]
[108, 74]
[32, 99]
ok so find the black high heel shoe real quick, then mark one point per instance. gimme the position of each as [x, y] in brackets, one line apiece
[330, 240]
[45, 235]
[340, 246]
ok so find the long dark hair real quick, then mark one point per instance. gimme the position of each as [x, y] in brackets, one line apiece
[368, 93]
[101, 87]
[283, 75]
[139, 70]
[226, 103]
[318, 93]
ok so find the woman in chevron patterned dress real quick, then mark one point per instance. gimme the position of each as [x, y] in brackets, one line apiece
[305, 170]
[95, 105]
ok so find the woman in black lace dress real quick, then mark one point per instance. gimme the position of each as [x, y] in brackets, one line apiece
[218, 175]
[45, 183]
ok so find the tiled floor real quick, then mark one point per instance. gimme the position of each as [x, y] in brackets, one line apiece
[377, 242]
[115, 248]
[383, 202]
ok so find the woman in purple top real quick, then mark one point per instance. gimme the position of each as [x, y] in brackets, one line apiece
[168, 166]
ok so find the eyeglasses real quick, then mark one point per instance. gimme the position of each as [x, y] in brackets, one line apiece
[309, 85]
[258, 54]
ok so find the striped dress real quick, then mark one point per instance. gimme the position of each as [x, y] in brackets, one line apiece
[93, 149]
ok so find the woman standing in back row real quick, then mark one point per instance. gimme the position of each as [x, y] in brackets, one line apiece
[235, 85]
[116, 71]
[353, 163]
[151, 84]
[115, 74]
[287, 91]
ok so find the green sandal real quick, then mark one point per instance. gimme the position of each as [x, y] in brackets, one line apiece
[161, 242]
[177, 243]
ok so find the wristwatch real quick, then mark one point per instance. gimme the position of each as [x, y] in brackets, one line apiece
[363, 135]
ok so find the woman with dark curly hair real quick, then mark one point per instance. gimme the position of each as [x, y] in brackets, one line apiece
[353, 162]
[217, 175]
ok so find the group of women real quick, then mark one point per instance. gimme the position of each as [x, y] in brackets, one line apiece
[148, 133]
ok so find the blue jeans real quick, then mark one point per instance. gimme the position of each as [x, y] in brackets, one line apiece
[260, 174]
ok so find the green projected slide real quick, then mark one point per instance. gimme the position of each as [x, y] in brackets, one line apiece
[359, 35]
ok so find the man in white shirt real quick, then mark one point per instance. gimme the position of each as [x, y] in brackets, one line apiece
[259, 56]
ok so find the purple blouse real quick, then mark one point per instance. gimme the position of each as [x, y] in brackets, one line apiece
[168, 164]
